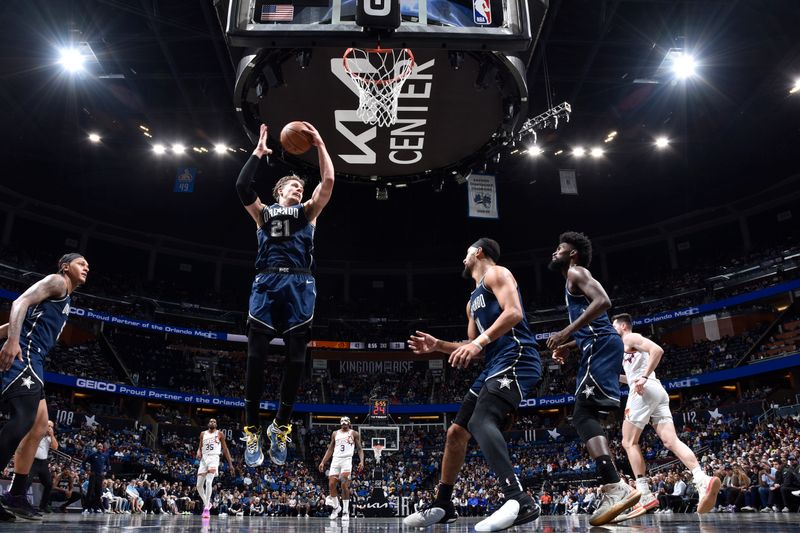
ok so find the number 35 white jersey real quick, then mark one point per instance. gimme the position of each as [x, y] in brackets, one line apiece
[211, 444]
[345, 443]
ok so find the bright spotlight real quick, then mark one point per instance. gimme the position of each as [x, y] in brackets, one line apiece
[578, 151]
[662, 142]
[220, 148]
[71, 59]
[95, 138]
[159, 149]
[597, 152]
[534, 151]
[178, 148]
[684, 65]
[796, 87]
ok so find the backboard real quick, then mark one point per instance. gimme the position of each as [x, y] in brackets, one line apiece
[498, 25]
[389, 435]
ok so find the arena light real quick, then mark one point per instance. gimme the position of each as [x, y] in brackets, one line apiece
[597, 152]
[579, 151]
[662, 142]
[684, 66]
[796, 87]
[178, 148]
[95, 138]
[71, 59]
[220, 148]
[159, 149]
[534, 151]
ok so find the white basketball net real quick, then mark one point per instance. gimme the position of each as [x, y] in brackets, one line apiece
[377, 449]
[379, 75]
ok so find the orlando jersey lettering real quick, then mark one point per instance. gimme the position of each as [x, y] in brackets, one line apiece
[285, 238]
[485, 309]
[576, 306]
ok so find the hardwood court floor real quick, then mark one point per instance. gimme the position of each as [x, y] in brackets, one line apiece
[676, 523]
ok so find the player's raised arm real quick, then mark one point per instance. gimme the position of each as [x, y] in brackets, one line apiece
[247, 176]
[322, 192]
[52, 286]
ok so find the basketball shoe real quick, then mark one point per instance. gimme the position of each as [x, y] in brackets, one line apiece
[647, 502]
[278, 438]
[432, 513]
[616, 498]
[707, 488]
[253, 456]
[514, 512]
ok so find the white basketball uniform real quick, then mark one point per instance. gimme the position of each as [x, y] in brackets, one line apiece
[345, 445]
[210, 452]
[651, 407]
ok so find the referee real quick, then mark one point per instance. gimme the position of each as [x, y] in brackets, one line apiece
[41, 467]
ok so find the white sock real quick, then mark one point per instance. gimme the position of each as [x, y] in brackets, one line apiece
[345, 506]
[697, 473]
[209, 489]
[201, 490]
[643, 484]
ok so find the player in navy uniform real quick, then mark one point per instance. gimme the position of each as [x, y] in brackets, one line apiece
[498, 331]
[283, 294]
[597, 390]
[36, 320]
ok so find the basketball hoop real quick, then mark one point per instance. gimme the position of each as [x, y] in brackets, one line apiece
[377, 449]
[379, 74]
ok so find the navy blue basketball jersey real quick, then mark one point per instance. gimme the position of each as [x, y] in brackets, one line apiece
[485, 309]
[42, 326]
[285, 238]
[576, 305]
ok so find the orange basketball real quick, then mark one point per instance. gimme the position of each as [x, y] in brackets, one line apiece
[294, 138]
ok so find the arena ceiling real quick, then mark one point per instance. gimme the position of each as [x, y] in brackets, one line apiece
[164, 65]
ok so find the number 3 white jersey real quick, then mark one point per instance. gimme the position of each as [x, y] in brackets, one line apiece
[345, 443]
[212, 446]
[634, 365]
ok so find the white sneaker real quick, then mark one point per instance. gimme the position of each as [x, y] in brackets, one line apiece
[502, 518]
[335, 513]
[796, 493]
[345, 518]
[785, 510]
[616, 498]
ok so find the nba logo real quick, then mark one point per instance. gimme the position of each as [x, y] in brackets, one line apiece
[482, 12]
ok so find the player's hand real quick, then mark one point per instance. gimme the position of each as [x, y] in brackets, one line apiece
[321, 467]
[360, 468]
[638, 385]
[316, 138]
[261, 148]
[9, 351]
[557, 339]
[560, 354]
[421, 342]
[464, 355]
[232, 469]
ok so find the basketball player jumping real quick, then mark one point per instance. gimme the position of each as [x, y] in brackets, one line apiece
[498, 331]
[283, 293]
[37, 318]
[343, 442]
[648, 401]
[212, 443]
[597, 391]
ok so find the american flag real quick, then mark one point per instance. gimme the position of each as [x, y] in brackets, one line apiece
[276, 12]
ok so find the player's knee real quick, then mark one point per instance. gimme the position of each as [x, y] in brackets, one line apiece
[587, 424]
[628, 443]
[457, 435]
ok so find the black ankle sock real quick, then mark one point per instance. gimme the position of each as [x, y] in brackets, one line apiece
[18, 485]
[445, 493]
[606, 471]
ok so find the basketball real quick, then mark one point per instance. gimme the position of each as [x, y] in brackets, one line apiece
[294, 138]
